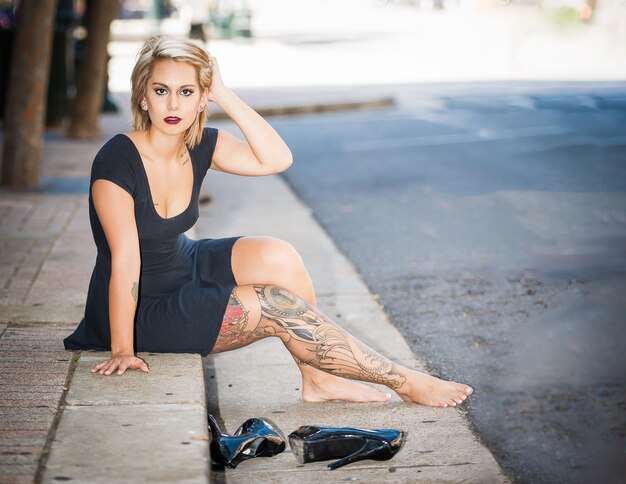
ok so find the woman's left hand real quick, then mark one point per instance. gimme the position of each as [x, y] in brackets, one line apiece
[217, 84]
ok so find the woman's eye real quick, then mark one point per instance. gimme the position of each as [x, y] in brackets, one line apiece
[187, 92]
[159, 90]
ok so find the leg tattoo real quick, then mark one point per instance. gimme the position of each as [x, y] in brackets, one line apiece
[234, 332]
[327, 347]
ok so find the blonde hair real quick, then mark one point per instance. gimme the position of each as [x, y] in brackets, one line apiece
[162, 47]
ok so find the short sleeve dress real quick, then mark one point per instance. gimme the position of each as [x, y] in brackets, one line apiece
[185, 284]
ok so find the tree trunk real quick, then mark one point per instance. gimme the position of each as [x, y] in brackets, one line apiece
[92, 71]
[26, 95]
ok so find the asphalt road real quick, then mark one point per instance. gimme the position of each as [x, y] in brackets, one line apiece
[493, 229]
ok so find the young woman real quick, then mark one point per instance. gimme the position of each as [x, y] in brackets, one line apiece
[154, 289]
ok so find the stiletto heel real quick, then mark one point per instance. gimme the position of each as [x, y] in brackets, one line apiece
[254, 438]
[311, 444]
[371, 449]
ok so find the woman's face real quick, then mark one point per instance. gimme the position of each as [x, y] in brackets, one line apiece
[173, 96]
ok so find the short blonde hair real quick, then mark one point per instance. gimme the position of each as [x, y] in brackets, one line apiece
[162, 47]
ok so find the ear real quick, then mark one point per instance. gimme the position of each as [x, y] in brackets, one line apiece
[204, 98]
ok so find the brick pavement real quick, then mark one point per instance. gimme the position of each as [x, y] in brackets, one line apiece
[31, 231]
[34, 371]
[46, 256]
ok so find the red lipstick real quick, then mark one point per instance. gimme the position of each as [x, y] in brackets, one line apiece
[172, 120]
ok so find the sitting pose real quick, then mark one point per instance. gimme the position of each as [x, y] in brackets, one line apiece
[154, 289]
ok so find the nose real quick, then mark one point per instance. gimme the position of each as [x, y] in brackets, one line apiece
[173, 102]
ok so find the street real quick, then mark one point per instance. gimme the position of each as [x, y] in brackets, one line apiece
[492, 228]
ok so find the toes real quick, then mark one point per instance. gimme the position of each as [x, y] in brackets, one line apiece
[379, 398]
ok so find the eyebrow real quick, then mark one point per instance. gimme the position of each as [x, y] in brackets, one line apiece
[161, 84]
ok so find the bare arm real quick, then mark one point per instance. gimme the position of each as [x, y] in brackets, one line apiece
[263, 153]
[115, 209]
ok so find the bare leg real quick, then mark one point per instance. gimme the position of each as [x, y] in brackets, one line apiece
[267, 260]
[263, 310]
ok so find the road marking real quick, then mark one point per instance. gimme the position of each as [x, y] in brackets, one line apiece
[482, 134]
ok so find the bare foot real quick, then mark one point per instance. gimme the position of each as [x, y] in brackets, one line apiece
[431, 391]
[326, 387]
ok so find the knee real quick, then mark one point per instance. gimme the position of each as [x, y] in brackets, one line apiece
[280, 256]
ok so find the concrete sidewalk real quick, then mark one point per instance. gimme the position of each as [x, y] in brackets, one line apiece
[60, 422]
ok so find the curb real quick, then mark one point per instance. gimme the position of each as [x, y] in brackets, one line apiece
[289, 110]
[135, 428]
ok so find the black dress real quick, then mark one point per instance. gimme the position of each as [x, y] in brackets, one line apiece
[184, 285]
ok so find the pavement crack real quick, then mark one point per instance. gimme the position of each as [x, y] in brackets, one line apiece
[57, 418]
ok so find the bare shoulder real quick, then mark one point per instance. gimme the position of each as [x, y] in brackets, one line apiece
[137, 137]
[139, 140]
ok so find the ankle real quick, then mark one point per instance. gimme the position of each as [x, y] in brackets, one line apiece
[402, 380]
[402, 390]
[318, 379]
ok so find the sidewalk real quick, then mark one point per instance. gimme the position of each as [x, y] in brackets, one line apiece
[59, 422]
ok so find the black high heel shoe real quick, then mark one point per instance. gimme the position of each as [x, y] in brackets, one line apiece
[254, 438]
[311, 444]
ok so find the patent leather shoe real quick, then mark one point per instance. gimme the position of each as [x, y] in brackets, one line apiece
[311, 444]
[254, 438]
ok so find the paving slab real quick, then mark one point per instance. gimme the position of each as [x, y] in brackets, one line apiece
[395, 474]
[137, 427]
[68, 315]
[173, 379]
[17, 472]
[130, 443]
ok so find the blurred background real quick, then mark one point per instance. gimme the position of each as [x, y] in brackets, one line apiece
[478, 183]
[359, 42]
[348, 42]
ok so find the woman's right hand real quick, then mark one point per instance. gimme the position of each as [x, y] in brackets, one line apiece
[121, 363]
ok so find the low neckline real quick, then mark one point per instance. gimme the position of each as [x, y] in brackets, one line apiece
[147, 180]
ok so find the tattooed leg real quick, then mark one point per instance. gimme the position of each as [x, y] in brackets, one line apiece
[316, 340]
[270, 261]
[241, 326]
